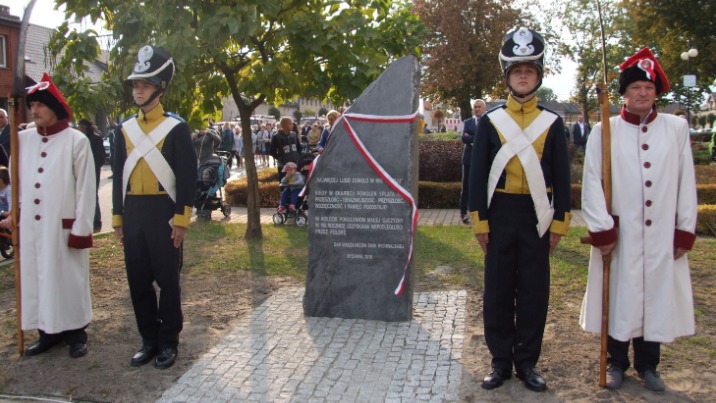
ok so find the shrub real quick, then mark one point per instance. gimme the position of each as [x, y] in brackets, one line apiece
[705, 174]
[706, 224]
[702, 157]
[706, 193]
[269, 194]
[439, 195]
[449, 136]
[440, 161]
[701, 137]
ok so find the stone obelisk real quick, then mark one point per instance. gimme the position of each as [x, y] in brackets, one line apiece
[363, 205]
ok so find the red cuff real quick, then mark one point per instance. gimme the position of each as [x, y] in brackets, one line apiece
[607, 237]
[80, 242]
[683, 239]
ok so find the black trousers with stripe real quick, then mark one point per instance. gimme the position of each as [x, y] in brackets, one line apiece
[150, 256]
[516, 283]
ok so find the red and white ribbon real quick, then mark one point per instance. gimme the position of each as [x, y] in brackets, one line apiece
[389, 180]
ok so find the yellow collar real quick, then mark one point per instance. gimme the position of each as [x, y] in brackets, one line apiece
[152, 116]
[517, 107]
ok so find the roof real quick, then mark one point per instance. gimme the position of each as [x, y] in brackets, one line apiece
[36, 56]
[36, 61]
[7, 19]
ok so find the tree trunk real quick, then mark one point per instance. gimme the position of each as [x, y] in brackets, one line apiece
[253, 205]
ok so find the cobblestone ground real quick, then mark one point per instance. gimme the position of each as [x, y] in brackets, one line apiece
[278, 355]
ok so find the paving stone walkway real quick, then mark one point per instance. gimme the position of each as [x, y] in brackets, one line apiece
[278, 355]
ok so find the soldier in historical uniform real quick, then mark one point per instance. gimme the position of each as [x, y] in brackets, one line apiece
[154, 184]
[57, 195]
[519, 205]
[651, 227]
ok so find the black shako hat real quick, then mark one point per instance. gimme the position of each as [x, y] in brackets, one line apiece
[522, 45]
[154, 65]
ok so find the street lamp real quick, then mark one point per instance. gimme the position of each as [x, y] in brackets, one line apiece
[689, 79]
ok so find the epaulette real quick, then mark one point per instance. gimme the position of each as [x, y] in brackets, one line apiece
[134, 116]
[543, 108]
[175, 116]
[494, 108]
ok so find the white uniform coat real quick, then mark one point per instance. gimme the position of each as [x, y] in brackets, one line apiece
[654, 195]
[57, 183]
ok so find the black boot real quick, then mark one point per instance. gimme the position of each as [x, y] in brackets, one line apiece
[44, 343]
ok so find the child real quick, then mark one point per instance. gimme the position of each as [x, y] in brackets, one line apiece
[5, 202]
[293, 183]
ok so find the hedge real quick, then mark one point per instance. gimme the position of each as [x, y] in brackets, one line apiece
[442, 195]
[706, 224]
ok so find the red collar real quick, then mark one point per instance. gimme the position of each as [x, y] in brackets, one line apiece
[636, 119]
[54, 129]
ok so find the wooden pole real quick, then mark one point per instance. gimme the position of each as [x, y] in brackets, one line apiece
[15, 213]
[607, 258]
[603, 96]
[15, 105]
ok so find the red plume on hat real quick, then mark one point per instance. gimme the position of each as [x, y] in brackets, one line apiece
[643, 66]
[47, 93]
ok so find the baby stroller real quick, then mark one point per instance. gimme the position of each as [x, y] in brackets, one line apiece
[212, 176]
[279, 218]
[7, 250]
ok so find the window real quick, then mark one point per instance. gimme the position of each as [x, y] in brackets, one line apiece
[3, 62]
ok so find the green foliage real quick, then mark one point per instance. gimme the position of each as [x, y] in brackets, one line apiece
[449, 136]
[275, 112]
[671, 27]
[69, 69]
[258, 51]
[460, 61]
[546, 94]
[265, 51]
[575, 30]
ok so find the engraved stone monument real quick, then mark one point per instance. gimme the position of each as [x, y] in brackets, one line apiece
[363, 205]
